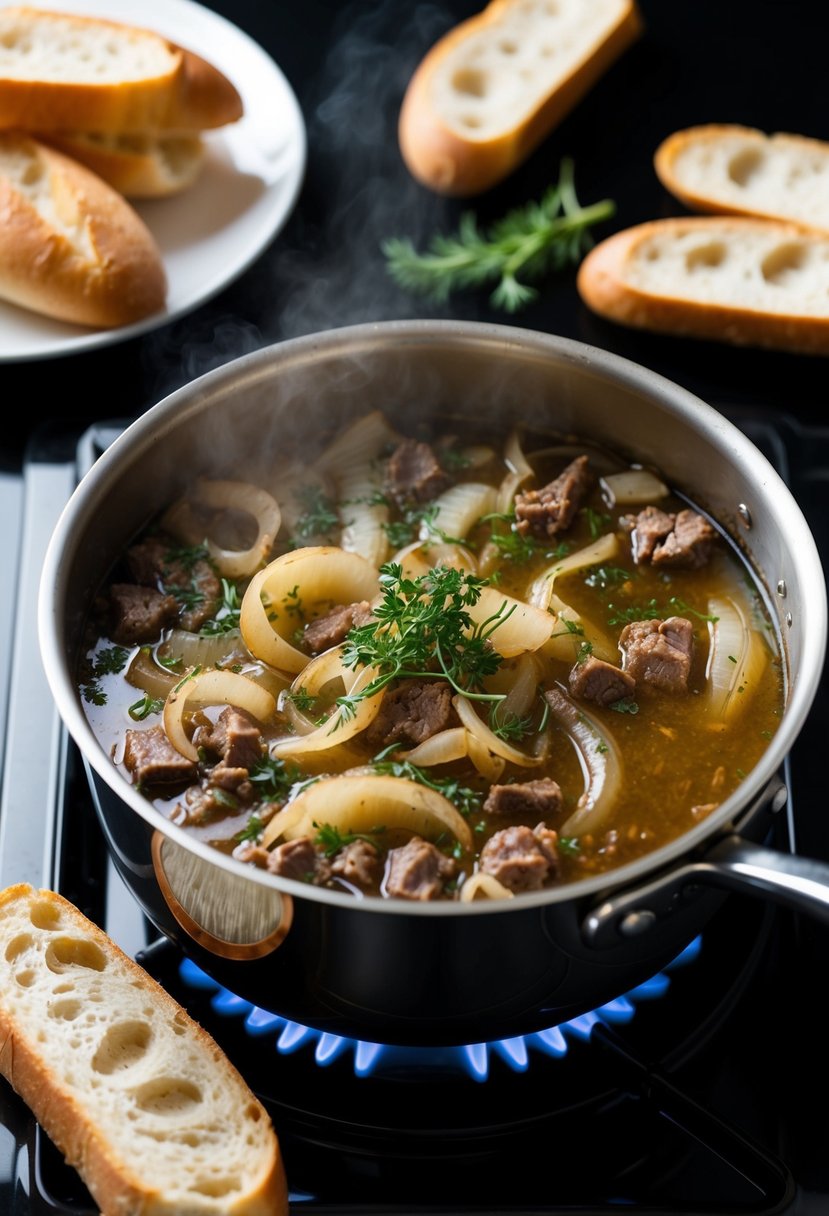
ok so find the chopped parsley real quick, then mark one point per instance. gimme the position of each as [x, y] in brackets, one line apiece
[331, 839]
[511, 729]
[603, 577]
[319, 516]
[569, 845]
[638, 612]
[679, 605]
[273, 778]
[626, 705]
[110, 661]
[597, 521]
[252, 830]
[93, 693]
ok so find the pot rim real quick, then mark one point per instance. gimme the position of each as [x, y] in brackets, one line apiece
[147, 430]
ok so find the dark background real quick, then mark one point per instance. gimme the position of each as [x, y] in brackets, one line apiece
[758, 62]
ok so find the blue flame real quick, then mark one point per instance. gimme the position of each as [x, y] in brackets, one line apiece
[474, 1059]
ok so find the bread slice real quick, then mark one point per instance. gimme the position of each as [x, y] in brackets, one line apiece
[137, 166]
[495, 86]
[64, 72]
[745, 281]
[740, 171]
[70, 246]
[133, 1092]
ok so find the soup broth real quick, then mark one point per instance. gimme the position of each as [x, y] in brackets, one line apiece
[461, 668]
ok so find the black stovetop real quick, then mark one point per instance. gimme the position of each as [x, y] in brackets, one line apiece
[702, 1102]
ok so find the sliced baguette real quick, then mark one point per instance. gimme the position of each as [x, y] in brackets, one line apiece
[70, 246]
[60, 72]
[137, 166]
[740, 171]
[494, 87]
[745, 281]
[133, 1092]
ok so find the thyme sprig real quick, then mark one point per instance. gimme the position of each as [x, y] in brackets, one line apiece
[531, 242]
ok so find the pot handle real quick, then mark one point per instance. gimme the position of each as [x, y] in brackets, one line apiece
[734, 864]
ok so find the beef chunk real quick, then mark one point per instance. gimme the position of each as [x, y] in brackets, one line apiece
[650, 527]
[234, 780]
[254, 854]
[204, 803]
[414, 474]
[298, 859]
[418, 870]
[411, 713]
[358, 863]
[153, 564]
[658, 653]
[689, 545]
[682, 540]
[519, 858]
[551, 509]
[151, 759]
[139, 614]
[527, 798]
[331, 629]
[595, 680]
[235, 737]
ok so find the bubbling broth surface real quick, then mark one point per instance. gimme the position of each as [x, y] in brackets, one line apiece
[457, 668]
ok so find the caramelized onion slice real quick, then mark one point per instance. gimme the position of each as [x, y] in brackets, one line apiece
[212, 688]
[487, 738]
[351, 462]
[600, 763]
[566, 639]
[521, 626]
[457, 509]
[442, 748]
[737, 658]
[320, 574]
[240, 496]
[340, 727]
[193, 650]
[365, 803]
[632, 486]
[601, 550]
[484, 886]
[144, 673]
[519, 470]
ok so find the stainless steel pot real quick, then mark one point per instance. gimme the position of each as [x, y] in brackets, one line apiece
[438, 972]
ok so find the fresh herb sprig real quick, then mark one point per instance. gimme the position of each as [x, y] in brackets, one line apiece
[226, 617]
[422, 629]
[331, 839]
[530, 242]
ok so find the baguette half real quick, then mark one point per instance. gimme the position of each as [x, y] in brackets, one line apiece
[744, 281]
[137, 1096]
[487, 94]
[741, 171]
[60, 72]
[70, 246]
[137, 166]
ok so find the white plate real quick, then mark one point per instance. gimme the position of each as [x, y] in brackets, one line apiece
[210, 233]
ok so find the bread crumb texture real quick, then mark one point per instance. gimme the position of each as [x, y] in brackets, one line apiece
[65, 48]
[85, 1030]
[739, 169]
[762, 268]
[496, 77]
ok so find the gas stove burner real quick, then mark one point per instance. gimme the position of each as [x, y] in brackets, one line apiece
[379, 1058]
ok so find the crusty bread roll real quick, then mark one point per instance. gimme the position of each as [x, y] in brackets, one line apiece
[60, 72]
[70, 246]
[137, 166]
[495, 86]
[740, 171]
[133, 1092]
[746, 281]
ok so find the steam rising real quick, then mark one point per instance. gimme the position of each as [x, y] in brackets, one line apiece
[327, 269]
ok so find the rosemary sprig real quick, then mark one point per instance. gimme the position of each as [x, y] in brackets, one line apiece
[530, 242]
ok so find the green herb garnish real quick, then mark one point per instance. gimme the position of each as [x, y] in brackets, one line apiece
[467, 800]
[144, 707]
[319, 517]
[331, 839]
[252, 830]
[110, 661]
[569, 845]
[626, 705]
[530, 242]
[421, 629]
[93, 693]
[624, 616]
[679, 605]
[597, 521]
[226, 617]
[603, 577]
[273, 778]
